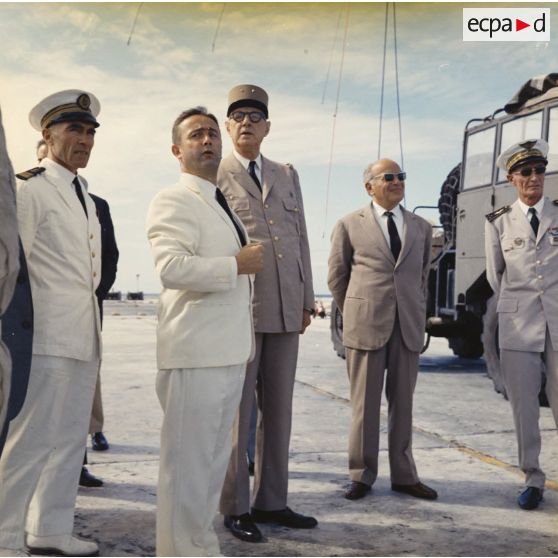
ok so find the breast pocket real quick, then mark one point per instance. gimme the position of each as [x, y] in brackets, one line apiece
[292, 212]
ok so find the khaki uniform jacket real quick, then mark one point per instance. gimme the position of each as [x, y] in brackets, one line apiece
[284, 287]
[523, 273]
[63, 251]
[205, 312]
[369, 286]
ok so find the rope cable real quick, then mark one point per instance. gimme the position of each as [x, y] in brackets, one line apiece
[331, 55]
[383, 81]
[134, 24]
[397, 87]
[218, 27]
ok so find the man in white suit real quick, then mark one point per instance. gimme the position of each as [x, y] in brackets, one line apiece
[522, 269]
[204, 336]
[378, 267]
[61, 239]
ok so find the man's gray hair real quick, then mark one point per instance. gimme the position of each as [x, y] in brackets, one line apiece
[367, 175]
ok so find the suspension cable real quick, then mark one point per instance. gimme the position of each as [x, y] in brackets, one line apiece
[331, 55]
[383, 81]
[330, 164]
[218, 27]
[397, 87]
[134, 24]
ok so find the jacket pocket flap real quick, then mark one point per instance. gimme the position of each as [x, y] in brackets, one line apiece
[290, 204]
[507, 305]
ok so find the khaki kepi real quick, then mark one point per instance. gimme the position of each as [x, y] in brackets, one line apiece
[248, 96]
[65, 106]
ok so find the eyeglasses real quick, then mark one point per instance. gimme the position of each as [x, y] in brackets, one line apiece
[390, 176]
[254, 116]
[528, 171]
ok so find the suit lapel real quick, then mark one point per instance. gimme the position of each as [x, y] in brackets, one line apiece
[547, 217]
[409, 234]
[214, 205]
[68, 194]
[372, 229]
[240, 174]
[521, 221]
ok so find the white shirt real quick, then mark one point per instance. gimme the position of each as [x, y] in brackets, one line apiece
[382, 220]
[525, 208]
[246, 162]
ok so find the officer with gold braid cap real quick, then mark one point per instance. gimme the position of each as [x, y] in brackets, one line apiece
[521, 242]
[61, 238]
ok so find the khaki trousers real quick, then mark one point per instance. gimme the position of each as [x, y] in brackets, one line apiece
[97, 416]
[41, 462]
[270, 376]
[199, 406]
[366, 374]
[522, 377]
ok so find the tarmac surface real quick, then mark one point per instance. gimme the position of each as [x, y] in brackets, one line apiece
[464, 447]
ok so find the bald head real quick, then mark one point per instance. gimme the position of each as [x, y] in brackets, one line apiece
[387, 193]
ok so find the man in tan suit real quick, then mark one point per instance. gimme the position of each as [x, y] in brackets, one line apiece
[521, 242]
[268, 199]
[378, 268]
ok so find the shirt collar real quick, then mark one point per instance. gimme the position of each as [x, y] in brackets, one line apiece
[538, 206]
[397, 213]
[245, 162]
[58, 170]
[204, 185]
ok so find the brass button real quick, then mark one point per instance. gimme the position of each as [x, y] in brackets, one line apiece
[275, 238]
[266, 206]
[279, 256]
[270, 221]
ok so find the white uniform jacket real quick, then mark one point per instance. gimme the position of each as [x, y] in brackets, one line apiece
[205, 311]
[63, 250]
[523, 273]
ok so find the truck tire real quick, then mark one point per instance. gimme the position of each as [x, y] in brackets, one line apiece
[336, 327]
[466, 347]
[447, 204]
[492, 353]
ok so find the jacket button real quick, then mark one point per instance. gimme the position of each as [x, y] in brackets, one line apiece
[270, 221]
[280, 256]
[94, 274]
[26, 324]
[92, 254]
[90, 236]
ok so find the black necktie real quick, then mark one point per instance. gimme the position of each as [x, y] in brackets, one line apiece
[394, 240]
[79, 193]
[252, 173]
[534, 220]
[223, 203]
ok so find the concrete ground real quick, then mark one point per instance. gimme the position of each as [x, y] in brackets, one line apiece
[464, 448]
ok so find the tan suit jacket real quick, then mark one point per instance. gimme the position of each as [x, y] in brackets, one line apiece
[63, 251]
[205, 313]
[284, 287]
[523, 273]
[369, 286]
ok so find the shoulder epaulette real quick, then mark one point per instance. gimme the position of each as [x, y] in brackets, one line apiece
[555, 202]
[495, 214]
[26, 175]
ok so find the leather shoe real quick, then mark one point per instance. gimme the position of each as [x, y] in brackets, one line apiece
[530, 498]
[243, 527]
[61, 545]
[357, 490]
[99, 442]
[285, 517]
[417, 490]
[89, 480]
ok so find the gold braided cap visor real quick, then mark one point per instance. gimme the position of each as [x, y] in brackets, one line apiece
[524, 155]
[65, 113]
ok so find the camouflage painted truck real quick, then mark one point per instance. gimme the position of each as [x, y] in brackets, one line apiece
[460, 306]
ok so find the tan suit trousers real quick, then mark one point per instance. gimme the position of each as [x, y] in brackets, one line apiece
[199, 406]
[522, 377]
[97, 416]
[270, 376]
[366, 374]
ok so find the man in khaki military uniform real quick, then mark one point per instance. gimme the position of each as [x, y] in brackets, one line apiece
[267, 197]
[521, 242]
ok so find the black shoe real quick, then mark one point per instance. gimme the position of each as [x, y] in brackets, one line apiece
[286, 517]
[251, 468]
[99, 442]
[418, 490]
[89, 480]
[357, 490]
[530, 498]
[243, 527]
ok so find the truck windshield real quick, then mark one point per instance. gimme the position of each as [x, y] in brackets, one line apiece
[553, 140]
[479, 158]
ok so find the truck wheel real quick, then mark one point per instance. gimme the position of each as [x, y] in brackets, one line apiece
[336, 327]
[466, 347]
[447, 204]
[491, 349]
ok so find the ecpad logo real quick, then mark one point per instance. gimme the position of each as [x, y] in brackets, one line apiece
[506, 24]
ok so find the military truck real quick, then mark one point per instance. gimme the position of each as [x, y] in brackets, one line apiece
[460, 306]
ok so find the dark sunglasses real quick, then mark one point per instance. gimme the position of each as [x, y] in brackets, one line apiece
[390, 176]
[528, 171]
[254, 116]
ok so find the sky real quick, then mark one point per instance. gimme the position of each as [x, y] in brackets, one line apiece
[187, 54]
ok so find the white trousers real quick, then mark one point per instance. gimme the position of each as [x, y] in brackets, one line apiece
[522, 376]
[199, 407]
[41, 462]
